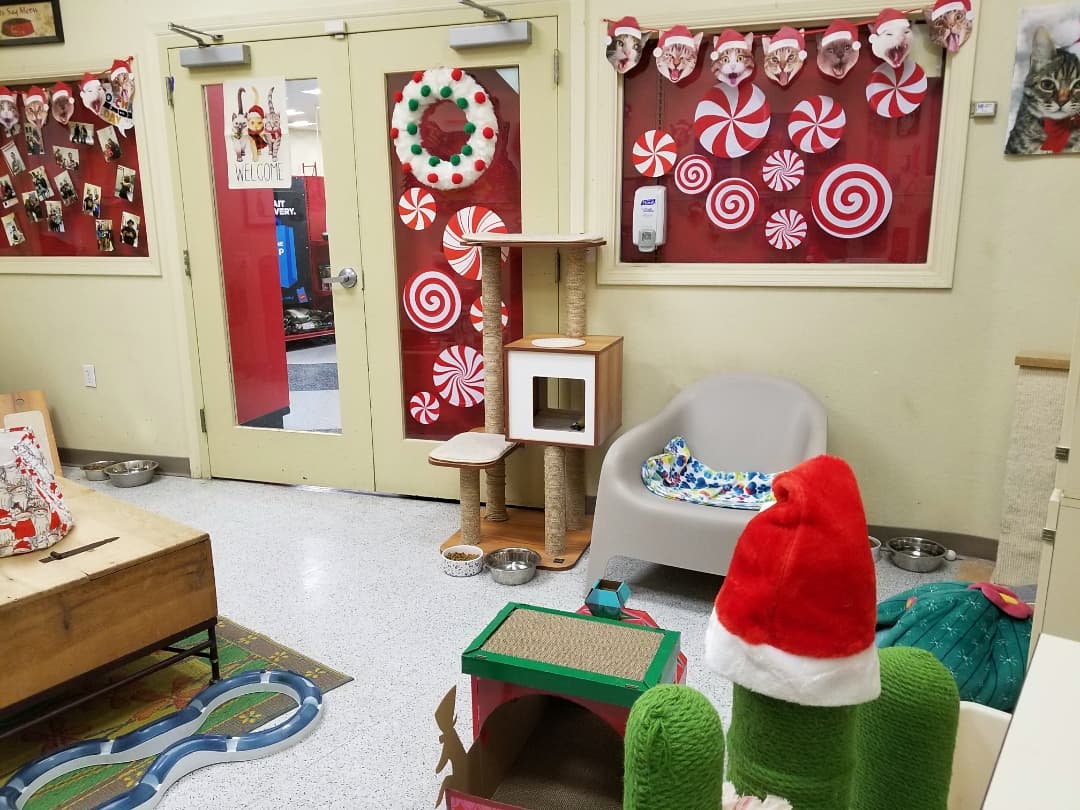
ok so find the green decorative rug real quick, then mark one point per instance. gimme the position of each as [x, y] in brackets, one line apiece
[148, 699]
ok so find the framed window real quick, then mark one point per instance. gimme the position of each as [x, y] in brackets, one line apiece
[919, 155]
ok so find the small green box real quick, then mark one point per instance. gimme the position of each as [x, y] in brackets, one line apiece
[572, 654]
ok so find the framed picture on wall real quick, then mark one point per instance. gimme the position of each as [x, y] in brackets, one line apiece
[24, 22]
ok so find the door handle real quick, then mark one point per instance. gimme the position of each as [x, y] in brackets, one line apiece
[347, 278]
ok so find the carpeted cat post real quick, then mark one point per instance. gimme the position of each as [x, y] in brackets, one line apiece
[674, 752]
[915, 716]
[793, 628]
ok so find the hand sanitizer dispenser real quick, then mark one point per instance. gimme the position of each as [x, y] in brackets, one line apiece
[650, 213]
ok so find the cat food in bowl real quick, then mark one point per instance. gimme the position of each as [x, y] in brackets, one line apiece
[95, 471]
[462, 561]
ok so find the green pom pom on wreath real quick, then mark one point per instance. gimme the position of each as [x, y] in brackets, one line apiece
[466, 150]
[412, 129]
[425, 91]
[462, 103]
[414, 105]
[433, 161]
[470, 127]
[445, 92]
[455, 159]
[416, 149]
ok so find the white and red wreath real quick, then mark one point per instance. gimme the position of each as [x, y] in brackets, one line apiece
[429, 87]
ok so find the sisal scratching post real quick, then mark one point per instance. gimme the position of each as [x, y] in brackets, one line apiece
[554, 501]
[575, 327]
[494, 420]
[470, 505]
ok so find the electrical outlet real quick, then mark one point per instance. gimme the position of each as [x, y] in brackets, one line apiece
[89, 375]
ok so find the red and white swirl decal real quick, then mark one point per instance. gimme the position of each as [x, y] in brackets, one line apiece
[465, 259]
[786, 229]
[476, 314]
[731, 121]
[424, 408]
[895, 93]
[817, 124]
[431, 300]
[852, 200]
[731, 204]
[458, 375]
[654, 153]
[693, 175]
[783, 170]
[416, 207]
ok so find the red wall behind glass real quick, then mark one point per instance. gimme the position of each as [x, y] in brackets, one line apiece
[79, 237]
[498, 189]
[904, 149]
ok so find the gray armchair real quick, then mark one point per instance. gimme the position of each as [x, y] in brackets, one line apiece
[731, 422]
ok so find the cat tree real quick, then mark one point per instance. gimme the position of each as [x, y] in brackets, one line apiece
[595, 361]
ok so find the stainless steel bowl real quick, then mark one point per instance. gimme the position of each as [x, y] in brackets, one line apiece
[96, 470]
[512, 566]
[915, 554]
[875, 548]
[131, 473]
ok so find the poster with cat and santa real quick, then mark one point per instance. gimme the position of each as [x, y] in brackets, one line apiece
[1044, 109]
[256, 133]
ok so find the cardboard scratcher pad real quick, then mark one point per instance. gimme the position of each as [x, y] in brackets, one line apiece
[619, 651]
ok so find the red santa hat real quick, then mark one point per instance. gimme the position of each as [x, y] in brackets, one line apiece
[35, 93]
[120, 66]
[788, 37]
[943, 7]
[62, 90]
[842, 30]
[618, 28]
[728, 40]
[87, 80]
[6, 94]
[676, 35]
[888, 17]
[796, 614]
[255, 108]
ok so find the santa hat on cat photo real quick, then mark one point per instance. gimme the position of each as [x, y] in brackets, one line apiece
[676, 35]
[795, 616]
[62, 90]
[625, 26]
[7, 95]
[943, 7]
[119, 66]
[728, 40]
[788, 37]
[889, 18]
[840, 31]
[35, 93]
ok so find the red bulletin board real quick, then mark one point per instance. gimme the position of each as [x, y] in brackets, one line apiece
[499, 190]
[79, 237]
[904, 149]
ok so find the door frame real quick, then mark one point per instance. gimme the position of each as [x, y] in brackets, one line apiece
[384, 15]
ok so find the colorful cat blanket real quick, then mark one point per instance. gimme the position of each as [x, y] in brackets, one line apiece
[979, 631]
[677, 475]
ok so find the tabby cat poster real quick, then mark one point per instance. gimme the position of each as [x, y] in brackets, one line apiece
[257, 133]
[1044, 109]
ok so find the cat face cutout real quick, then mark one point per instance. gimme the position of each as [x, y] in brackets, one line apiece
[782, 63]
[892, 42]
[837, 57]
[951, 29]
[677, 53]
[624, 52]
[732, 58]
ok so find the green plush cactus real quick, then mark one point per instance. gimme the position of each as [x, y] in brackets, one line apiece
[805, 754]
[674, 752]
[906, 737]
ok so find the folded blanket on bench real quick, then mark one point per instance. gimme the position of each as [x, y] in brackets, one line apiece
[677, 475]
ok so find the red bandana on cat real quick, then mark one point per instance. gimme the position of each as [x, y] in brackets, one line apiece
[1058, 132]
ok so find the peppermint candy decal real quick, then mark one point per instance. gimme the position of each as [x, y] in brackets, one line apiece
[731, 121]
[785, 229]
[476, 315]
[458, 376]
[783, 170]
[429, 87]
[424, 408]
[654, 153]
[416, 208]
[817, 124]
[731, 204]
[465, 259]
[693, 175]
[852, 200]
[431, 300]
[895, 93]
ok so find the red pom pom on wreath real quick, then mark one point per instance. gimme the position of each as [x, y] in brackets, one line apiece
[393, 132]
[456, 178]
[418, 76]
[456, 74]
[407, 168]
[489, 133]
[433, 178]
[398, 96]
[480, 165]
[480, 97]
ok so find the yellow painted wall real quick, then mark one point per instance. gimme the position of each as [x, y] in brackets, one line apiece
[919, 384]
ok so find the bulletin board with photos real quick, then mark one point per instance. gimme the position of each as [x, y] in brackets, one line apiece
[71, 190]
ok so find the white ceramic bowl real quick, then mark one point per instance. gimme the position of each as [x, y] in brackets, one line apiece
[463, 568]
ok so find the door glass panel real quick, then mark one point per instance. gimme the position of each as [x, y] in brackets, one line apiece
[274, 246]
[438, 284]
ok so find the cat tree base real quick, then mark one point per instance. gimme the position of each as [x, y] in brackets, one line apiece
[525, 529]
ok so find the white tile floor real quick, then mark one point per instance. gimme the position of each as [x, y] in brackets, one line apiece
[354, 581]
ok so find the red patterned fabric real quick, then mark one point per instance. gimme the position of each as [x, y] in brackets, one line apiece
[33, 515]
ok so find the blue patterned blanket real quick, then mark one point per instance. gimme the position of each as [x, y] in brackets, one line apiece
[676, 474]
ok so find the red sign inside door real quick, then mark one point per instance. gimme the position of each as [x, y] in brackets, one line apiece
[438, 281]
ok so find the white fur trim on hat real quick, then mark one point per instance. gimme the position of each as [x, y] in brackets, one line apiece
[687, 41]
[627, 29]
[835, 35]
[770, 671]
[783, 43]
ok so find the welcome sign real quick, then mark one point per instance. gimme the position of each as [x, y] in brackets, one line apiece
[257, 133]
